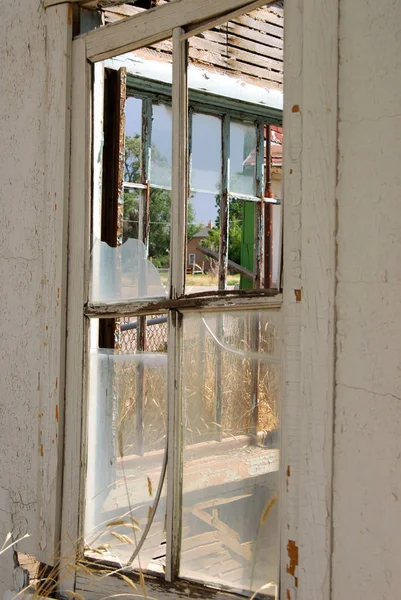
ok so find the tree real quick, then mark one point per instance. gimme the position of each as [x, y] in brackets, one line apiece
[160, 205]
[239, 182]
[234, 231]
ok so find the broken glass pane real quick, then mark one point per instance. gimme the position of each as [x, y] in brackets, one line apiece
[123, 273]
[127, 415]
[242, 158]
[230, 531]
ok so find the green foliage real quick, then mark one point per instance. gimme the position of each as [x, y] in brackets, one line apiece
[132, 161]
[234, 231]
[160, 206]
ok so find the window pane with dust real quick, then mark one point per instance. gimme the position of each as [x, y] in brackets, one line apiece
[132, 210]
[203, 238]
[206, 154]
[127, 416]
[230, 531]
[133, 142]
[161, 148]
[242, 158]
[160, 232]
[123, 273]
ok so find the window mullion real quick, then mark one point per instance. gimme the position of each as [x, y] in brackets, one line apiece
[179, 186]
[268, 246]
[179, 193]
[144, 213]
[144, 217]
[224, 202]
[260, 208]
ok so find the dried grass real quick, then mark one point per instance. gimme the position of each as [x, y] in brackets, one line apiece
[201, 370]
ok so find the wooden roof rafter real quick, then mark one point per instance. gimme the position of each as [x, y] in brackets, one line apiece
[94, 4]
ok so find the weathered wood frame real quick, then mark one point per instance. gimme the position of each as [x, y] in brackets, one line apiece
[310, 113]
[51, 377]
[80, 203]
[261, 199]
[261, 117]
[308, 390]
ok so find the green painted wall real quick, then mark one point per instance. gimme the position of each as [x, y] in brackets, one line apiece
[247, 244]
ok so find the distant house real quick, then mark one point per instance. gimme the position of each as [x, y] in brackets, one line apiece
[194, 256]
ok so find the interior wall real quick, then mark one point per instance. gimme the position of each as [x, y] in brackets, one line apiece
[22, 165]
[367, 454]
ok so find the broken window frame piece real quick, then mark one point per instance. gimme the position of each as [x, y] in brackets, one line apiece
[87, 50]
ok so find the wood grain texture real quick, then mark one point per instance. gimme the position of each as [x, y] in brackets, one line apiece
[80, 184]
[97, 587]
[318, 108]
[291, 409]
[218, 20]
[368, 304]
[239, 50]
[179, 193]
[54, 279]
[155, 25]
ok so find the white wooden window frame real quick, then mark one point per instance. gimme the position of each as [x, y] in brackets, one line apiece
[310, 121]
[243, 113]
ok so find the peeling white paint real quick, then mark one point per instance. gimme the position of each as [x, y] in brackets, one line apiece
[367, 459]
[22, 134]
[367, 434]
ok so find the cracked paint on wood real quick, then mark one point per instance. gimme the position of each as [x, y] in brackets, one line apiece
[22, 221]
[367, 457]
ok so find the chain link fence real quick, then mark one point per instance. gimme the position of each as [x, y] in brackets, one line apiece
[155, 334]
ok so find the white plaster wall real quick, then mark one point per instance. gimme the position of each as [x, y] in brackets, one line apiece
[22, 128]
[367, 454]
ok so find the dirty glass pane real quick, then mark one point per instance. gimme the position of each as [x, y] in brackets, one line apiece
[132, 204]
[133, 132]
[236, 224]
[206, 153]
[159, 225]
[161, 146]
[204, 239]
[127, 415]
[203, 236]
[242, 158]
[123, 273]
[230, 529]
[159, 231]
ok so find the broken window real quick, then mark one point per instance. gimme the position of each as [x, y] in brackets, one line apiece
[236, 153]
[182, 412]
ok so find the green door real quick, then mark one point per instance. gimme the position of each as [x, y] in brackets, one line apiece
[247, 243]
